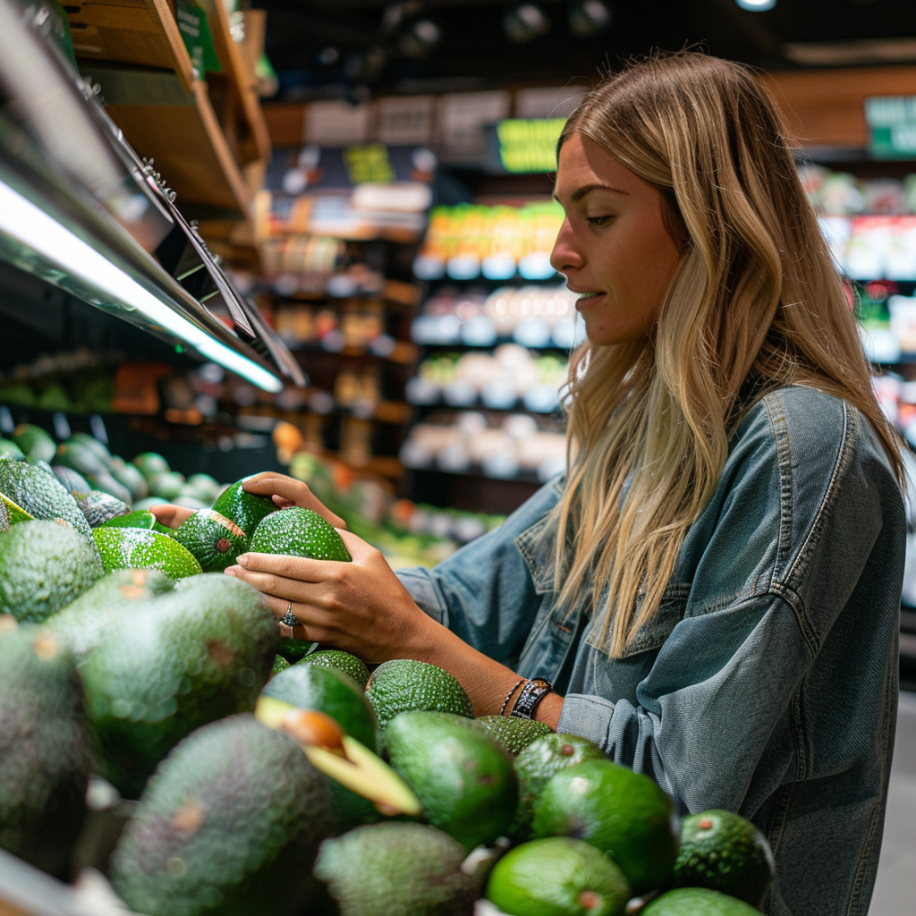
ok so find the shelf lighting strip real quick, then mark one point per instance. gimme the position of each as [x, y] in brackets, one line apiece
[31, 226]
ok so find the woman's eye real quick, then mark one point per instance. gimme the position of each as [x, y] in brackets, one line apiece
[598, 221]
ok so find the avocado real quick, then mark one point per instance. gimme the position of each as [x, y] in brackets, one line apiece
[40, 494]
[534, 766]
[9, 449]
[139, 518]
[339, 660]
[404, 684]
[464, 779]
[134, 548]
[299, 532]
[229, 825]
[195, 654]
[107, 484]
[43, 567]
[280, 664]
[167, 486]
[697, 901]
[398, 869]
[294, 650]
[99, 507]
[93, 445]
[512, 734]
[119, 594]
[328, 691]
[74, 483]
[45, 754]
[150, 464]
[129, 476]
[724, 851]
[212, 539]
[81, 457]
[246, 509]
[34, 441]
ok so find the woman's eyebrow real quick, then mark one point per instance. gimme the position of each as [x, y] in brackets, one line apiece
[579, 193]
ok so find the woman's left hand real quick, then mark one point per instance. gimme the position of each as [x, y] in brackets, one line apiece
[360, 606]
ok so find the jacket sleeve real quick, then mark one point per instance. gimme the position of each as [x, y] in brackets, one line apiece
[484, 592]
[806, 527]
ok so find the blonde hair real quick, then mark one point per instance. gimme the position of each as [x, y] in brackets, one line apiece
[756, 298]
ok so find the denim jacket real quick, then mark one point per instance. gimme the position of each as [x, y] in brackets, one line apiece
[767, 682]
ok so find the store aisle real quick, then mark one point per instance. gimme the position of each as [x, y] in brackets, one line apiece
[896, 887]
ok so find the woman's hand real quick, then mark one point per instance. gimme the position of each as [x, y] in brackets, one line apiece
[360, 606]
[170, 515]
[287, 491]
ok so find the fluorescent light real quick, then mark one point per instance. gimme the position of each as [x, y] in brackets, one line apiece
[756, 6]
[31, 226]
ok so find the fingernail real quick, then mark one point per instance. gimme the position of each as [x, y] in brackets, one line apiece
[242, 560]
[231, 570]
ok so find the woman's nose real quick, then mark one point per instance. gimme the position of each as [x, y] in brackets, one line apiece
[565, 255]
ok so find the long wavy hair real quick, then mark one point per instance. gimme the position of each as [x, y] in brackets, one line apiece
[755, 303]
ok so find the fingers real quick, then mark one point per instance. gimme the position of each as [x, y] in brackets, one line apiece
[280, 566]
[287, 491]
[304, 629]
[170, 515]
[356, 546]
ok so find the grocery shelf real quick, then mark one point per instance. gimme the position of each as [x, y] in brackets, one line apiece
[139, 32]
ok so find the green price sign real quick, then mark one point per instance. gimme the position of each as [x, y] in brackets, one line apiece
[529, 145]
[891, 126]
[368, 162]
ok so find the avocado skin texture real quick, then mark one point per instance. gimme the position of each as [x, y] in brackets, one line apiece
[43, 567]
[464, 779]
[247, 510]
[213, 539]
[136, 548]
[119, 594]
[404, 869]
[196, 654]
[338, 660]
[406, 685]
[687, 901]
[514, 735]
[99, 507]
[41, 494]
[230, 824]
[725, 852]
[299, 532]
[45, 754]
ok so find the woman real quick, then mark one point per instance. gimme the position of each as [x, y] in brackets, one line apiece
[721, 610]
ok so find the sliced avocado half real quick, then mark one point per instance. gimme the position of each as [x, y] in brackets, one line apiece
[352, 764]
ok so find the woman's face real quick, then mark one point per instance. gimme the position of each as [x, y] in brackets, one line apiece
[613, 246]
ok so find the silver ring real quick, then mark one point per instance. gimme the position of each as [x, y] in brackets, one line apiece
[289, 618]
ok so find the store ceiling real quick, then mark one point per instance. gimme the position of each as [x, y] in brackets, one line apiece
[318, 47]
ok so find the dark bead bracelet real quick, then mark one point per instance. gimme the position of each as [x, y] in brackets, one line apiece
[532, 694]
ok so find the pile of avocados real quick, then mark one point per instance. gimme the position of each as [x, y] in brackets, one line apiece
[266, 777]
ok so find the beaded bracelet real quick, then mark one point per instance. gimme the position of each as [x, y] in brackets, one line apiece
[518, 683]
[532, 694]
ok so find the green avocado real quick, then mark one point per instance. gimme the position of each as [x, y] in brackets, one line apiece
[404, 869]
[40, 494]
[134, 548]
[45, 755]
[230, 826]
[212, 539]
[724, 851]
[120, 594]
[139, 518]
[514, 735]
[299, 532]
[246, 509]
[43, 567]
[328, 691]
[197, 653]
[338, 660]
[34, 441]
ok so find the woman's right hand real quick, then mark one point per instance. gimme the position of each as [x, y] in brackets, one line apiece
[287, 491]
